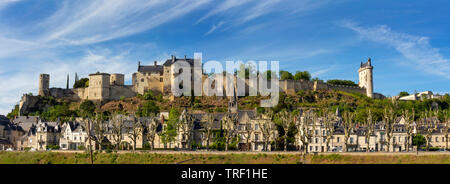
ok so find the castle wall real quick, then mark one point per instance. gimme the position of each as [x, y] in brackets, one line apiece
[116, 92]
[293, 86]
[63, 94]
[147, 81]
[350, 89]
[81, 93]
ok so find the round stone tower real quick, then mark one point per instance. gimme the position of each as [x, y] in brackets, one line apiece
[117, 79]
[366, 77]
[99, 84]
[44, 85]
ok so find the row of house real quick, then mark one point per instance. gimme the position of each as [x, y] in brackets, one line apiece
[361, 140]
[252, 131]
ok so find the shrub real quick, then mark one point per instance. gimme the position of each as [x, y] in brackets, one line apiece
[82, 83]
[342, 82]
[87, 107]
[302, 75]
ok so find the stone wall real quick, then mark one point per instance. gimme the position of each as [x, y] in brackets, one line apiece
[143, 82]
[293, 86]
[81, 93]
[116, 92]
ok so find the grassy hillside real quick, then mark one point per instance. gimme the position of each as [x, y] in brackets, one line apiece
[223, 158]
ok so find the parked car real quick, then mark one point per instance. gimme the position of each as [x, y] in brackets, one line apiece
[9, 149]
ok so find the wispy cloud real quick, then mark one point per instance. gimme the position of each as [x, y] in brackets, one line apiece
[240, 13]
[24, 79]
[417, 49]
[260, 9]
[75, 26]
[322, 71]
[4, 3]
[224, 6]
[101, 20]
[215, 27]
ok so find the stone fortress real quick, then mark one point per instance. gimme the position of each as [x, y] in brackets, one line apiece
[105, 87]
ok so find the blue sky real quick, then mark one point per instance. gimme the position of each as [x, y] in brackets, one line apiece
[408, 41]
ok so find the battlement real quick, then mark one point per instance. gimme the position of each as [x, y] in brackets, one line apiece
[293, 86]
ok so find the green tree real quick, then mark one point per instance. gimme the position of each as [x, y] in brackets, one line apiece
[269, 74]
[87, 108]
[285, 75]
[316, 79]
[170, 131]
[82, 83]
[403, 93]
[61, 112]
[14, 112]
[148, 109]
[148, 95]
[302, 75]
[342, 82]
[419, 140]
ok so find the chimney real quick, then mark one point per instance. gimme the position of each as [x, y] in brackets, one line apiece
[185, 58]
[173, 58]
[155, 63]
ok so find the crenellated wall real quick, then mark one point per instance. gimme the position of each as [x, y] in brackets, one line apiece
[293, 86]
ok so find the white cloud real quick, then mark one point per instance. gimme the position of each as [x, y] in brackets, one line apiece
[73, 25]
[101, 20]
[416, 49]
[25, 79]
[4, 3]
[224, 6]
[320, 72]
[214, 27]
[260, 9]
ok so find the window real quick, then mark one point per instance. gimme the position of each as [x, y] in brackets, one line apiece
[437, 140]
[351, 140]
[338, 139]
[316, 132]
[256, 137]
[256, 126]
[316, 140]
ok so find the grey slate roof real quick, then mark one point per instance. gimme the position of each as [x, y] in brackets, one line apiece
[170, 61]
[26, 119]
[151, 69]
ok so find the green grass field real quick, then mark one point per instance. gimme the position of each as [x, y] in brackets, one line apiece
[206, 158]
